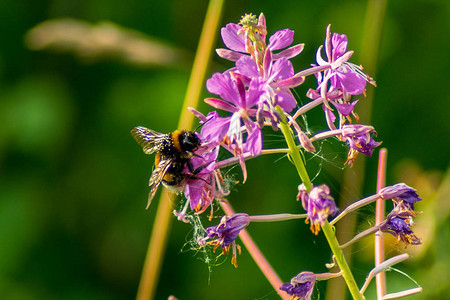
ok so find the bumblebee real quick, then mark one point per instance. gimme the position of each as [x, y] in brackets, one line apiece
[173, 154]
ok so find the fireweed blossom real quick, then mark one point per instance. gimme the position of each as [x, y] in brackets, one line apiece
[238, 100]
[342, 80]
[277, 78]
[301, 286]
[225, 233]
[318, 203]
[342, 75]
[249, 37]
[274, 70]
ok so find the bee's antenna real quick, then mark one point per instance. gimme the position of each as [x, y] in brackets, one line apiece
[200, 126]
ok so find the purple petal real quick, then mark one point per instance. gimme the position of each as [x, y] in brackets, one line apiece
[247, 67]
[254, 92]
[290, 82]
[231, 38]
[241, 90]
[220, 104]
[286, 100]
[223, 85]
[198, 114]
[329, 113]
[281, 69]
[262, 21]
[229, 54]
[339, 43]
[312, 94]
[289, 52]
[215, 129]
[350, 82]
[254, 142]
[281, 39]
[349, 130]
[194, 192]
[267, 63]
[344, 108]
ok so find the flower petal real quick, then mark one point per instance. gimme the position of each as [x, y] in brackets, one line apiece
[344, 108]
[220, 104]
[215, 129]
[231, 38]
[229, 54]
[289, 52]
[247, 66]
[253, 143]
[290, 82]
[281, 69]
[254, 92]
[286, 100]
[281, 39]
[223, 85]
[339, 44]
[350, 82]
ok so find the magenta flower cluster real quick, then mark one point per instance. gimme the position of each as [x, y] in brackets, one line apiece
[261, 80]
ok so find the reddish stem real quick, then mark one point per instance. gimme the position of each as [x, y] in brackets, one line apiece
[257, 255]
[379, 217]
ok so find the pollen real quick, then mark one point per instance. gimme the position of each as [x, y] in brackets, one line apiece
[248, 20]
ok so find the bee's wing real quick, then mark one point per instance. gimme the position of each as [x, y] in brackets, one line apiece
[146, 138]
[157, 177]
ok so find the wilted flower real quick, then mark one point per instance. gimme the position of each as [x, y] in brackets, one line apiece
[398, 224]
[359, 139]
[301, 286]
[225, 233]
[401, 194]
[318, 203]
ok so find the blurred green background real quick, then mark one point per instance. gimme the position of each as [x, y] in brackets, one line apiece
[73, 183]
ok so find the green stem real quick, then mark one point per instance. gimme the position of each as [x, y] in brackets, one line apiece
[294, 152]
[340, 259]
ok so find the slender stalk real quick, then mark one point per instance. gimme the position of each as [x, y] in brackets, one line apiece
[277, 217]
[161, 226]
[379, 217]
[257, 256]
[307, 107]
[354, 206]
[382, 267]
[360, 236]
[403, 294]
[340, 259]
[294, 151]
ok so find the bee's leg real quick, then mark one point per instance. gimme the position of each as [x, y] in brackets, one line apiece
[194, 172]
